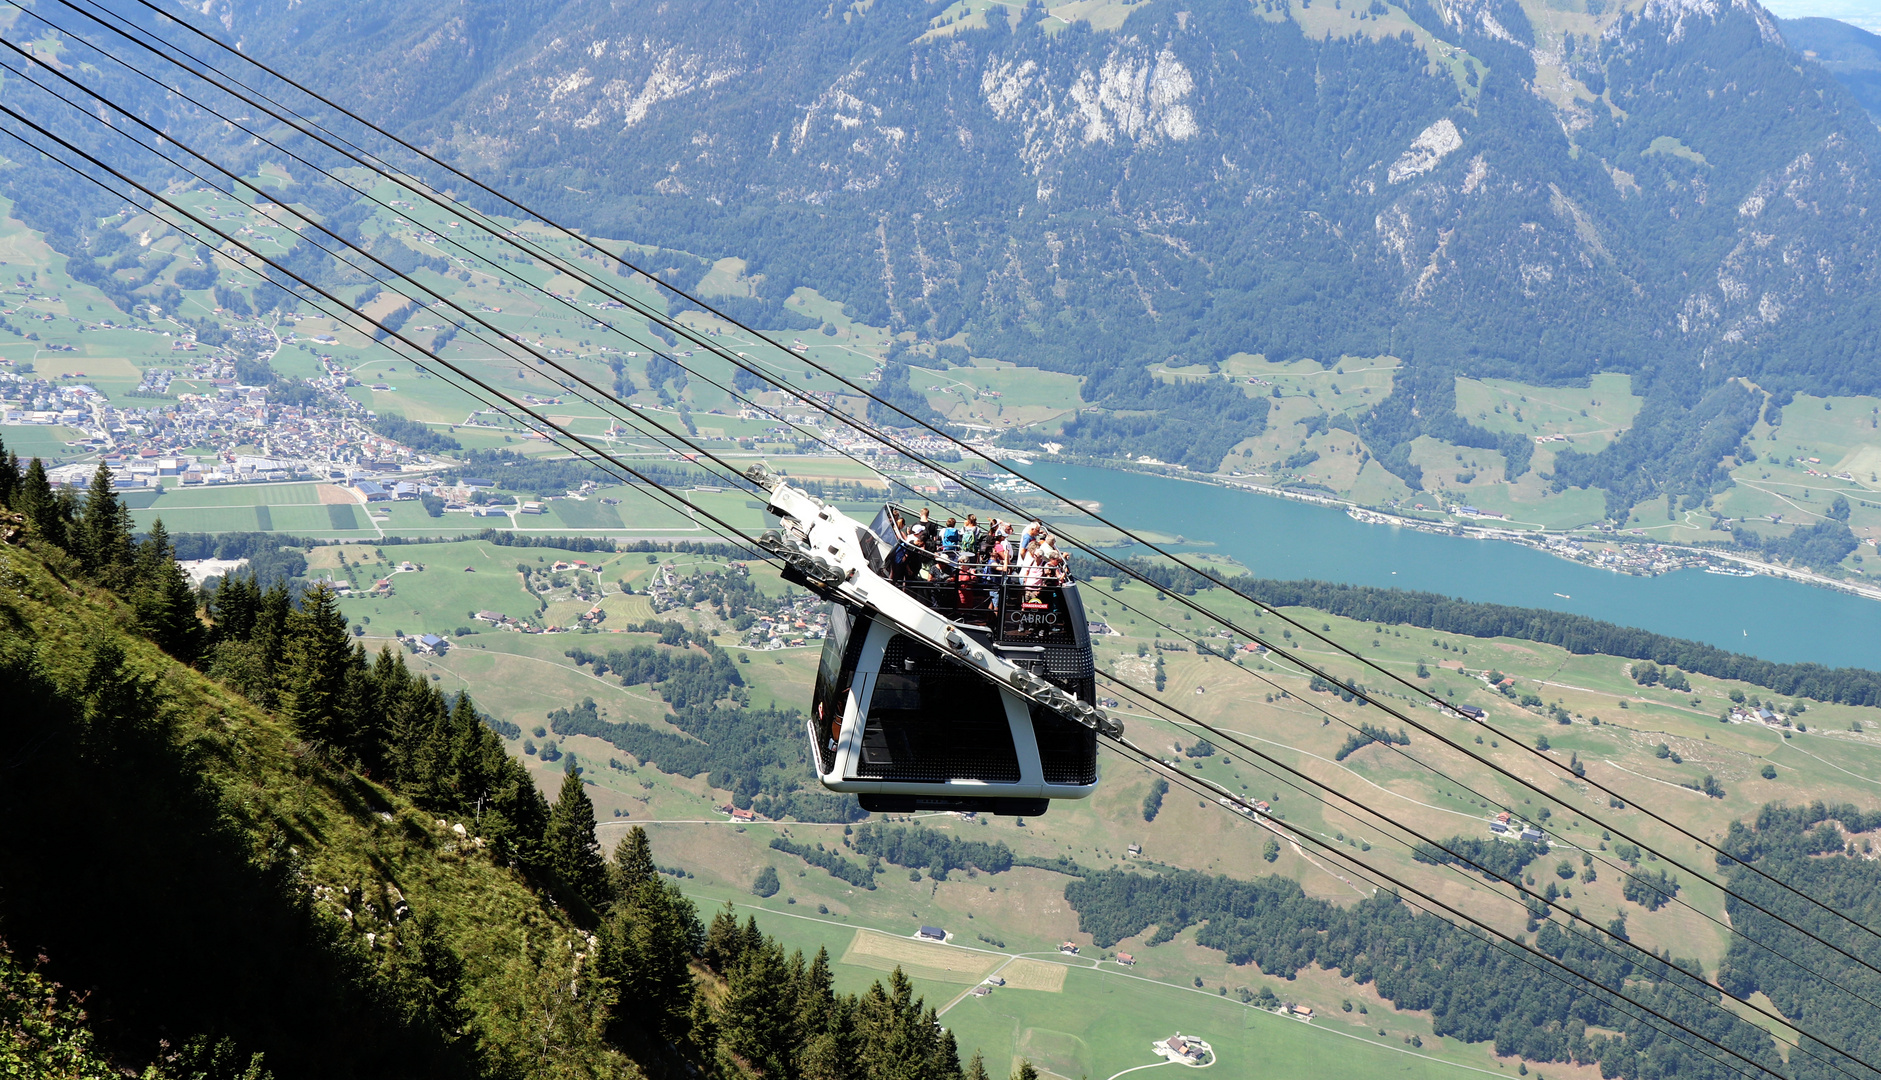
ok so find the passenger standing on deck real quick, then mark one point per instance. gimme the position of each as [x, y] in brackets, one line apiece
[950, 540]
[1002, 547]
[898, 558]
[970, 535]
[1032, 570]
[914, 545]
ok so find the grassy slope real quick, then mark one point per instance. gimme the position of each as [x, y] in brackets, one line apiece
[198, 807]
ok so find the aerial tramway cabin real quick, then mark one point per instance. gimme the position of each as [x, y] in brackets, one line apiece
[906, 726]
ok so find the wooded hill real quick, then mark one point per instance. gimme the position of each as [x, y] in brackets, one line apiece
[239, 837]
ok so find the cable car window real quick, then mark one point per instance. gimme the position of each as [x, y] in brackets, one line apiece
[931, 720]
[1067, 750]
[835, 670]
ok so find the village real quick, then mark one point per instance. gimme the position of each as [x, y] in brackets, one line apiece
[247, 437]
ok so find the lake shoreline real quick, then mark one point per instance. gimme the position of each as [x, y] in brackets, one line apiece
[1683, 557]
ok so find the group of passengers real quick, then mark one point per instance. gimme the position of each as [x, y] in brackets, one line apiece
[974, 558]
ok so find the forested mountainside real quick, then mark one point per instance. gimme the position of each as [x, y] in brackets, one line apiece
[1851, 54]
[239, 848]
[1481, 187]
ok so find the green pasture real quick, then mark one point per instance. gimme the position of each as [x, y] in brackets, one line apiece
[1104, 1022]
[1592, 416]
[522, 677]
[210, 519]
[586, 514]
[231, 495]
[46, 441]
[1105, 1018]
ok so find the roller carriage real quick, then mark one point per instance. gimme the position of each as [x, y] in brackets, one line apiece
[943, 690]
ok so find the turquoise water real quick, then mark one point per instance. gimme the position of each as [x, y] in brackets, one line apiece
[1279, 538]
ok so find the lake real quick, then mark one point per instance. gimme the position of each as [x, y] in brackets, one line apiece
[1280, 538]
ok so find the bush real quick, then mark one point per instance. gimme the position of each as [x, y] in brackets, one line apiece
[1153, 802]
[766, 883]
[1652, 889]
[1768, 772]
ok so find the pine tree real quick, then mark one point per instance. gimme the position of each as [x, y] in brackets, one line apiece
[317, 658]
[755, 1020]
[1025, 1071]
[573, 855]
[9, 474]
[816, 1001]
[166, 605]
[976, 1068]
[35, 499]
[649, 940]
[103, 536]
[633, 863]
[900, 1037]
[724, 944]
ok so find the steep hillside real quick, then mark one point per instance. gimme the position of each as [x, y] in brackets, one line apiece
[1851, 54]
[1541, 191]
[245, 845]
[200, 870]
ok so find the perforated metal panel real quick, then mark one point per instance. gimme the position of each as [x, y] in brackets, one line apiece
[1067, 750]
[930, 720]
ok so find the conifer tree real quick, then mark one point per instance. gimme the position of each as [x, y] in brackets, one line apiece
[1025, 1071]
[900, 1037]
[648, 942]
[103, 534]
[317, 660]
[166, 605]
[755, 1019]
[9, 474]
[573, 855]
[976, 1068]
[35, 499]
[633, 863]
[724, 944]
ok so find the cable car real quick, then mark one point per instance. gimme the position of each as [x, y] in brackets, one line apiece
[938, 688]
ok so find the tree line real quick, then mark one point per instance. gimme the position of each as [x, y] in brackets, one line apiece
[1576, 633]
[1475, 989]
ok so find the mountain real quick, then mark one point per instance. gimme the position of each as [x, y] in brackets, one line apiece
[1532, 191]
[1851, 54]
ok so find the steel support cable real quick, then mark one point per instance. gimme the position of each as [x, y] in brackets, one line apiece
[380, 166]
[1601, 857]
[607, 465]
[390, 333]
[1574, 981]
[433, 160]
[1102, 556]
[147, 192]
[503, 341]
[1400, 887]
[497, 271]
[1635, 952]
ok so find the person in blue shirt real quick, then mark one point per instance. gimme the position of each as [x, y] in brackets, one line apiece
[950, 539]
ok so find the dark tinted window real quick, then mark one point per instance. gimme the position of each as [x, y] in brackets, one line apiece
[834, 672]
[931, 720]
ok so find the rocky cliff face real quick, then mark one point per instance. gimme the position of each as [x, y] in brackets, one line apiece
[1534, 190]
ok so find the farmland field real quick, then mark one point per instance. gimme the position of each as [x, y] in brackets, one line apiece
[1103, 1018]
[41, 440]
